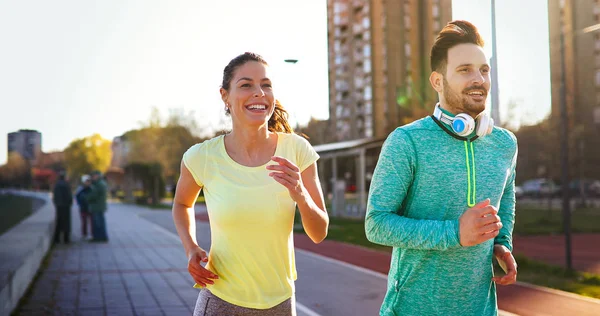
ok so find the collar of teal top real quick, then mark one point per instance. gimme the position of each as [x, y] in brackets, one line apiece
[473, 134]
[447, 112]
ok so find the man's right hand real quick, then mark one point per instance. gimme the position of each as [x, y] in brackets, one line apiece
[478, 224]
[201, 275]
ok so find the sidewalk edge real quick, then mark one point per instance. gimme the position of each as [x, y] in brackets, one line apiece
[558, 292]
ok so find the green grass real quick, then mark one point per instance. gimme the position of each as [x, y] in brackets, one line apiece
[14, 209]
[532, 220]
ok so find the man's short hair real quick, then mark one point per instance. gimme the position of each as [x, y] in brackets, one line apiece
[454, 33]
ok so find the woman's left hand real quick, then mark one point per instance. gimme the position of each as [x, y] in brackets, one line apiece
[288, 174]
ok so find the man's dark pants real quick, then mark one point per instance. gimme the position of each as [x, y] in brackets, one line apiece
[99, 227]
[63, 224]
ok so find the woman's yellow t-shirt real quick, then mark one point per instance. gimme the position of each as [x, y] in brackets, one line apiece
[251, 220]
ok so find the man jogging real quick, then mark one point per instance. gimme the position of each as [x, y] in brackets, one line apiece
[442, 193]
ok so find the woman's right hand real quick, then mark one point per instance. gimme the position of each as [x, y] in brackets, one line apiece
[202, 276]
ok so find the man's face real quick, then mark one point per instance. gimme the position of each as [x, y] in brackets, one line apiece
[95, 177]
[467, 80]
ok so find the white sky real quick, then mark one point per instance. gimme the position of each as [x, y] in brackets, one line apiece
[523, 51]
[71, 68]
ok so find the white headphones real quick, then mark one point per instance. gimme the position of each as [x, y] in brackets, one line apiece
[463, 124]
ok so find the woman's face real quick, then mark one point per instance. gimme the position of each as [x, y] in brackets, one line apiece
[250, 97]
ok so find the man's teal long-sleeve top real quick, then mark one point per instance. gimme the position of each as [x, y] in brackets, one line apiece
[424, 181]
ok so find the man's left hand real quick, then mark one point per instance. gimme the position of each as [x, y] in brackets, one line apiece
[508, 264]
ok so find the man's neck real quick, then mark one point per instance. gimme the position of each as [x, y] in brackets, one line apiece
[454, 110]
[449, 109]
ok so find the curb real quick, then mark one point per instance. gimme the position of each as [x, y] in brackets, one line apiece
[559, 292]
[24, 247]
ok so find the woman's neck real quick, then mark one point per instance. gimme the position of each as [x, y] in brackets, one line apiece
[248, 145]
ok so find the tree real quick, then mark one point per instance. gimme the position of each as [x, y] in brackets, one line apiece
[163, 141]
[538, 151]
[86, 154]
[16, 172]
[149, 176]
[513, 116]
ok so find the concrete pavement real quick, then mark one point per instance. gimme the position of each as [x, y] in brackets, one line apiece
[139, 272]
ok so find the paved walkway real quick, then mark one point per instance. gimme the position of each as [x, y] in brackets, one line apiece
[139, 272]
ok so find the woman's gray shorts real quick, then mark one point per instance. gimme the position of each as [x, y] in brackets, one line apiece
[210, 305]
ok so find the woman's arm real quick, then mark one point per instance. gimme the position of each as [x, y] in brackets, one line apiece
[312, 207]
[183, 208]
[185, 222]
[305, 189]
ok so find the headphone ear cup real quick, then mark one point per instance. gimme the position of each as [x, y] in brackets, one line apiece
[485, 125]
[463, 124]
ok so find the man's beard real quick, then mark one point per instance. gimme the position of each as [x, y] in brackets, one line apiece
[460, 101]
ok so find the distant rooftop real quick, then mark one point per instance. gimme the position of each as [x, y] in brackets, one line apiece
[27, 131]
[350, 144]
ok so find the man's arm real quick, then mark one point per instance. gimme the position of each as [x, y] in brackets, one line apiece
[506, 211]
[393, 176]
[69, 195]
[92, 194]
[55, 195]
[503, 242]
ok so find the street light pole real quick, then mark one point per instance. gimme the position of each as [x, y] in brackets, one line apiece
[293, 61]
[495, 84]
[564, 153]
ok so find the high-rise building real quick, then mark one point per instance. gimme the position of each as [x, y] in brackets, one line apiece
[581, 50]
[581, 55]
[28, 143]
[379, 63]
[120, 150]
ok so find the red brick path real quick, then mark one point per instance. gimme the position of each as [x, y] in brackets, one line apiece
[551, 249]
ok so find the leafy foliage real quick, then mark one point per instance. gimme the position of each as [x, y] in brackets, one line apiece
[86, 154]
[16, 172]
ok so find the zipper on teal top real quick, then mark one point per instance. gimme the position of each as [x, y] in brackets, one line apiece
[471, 184]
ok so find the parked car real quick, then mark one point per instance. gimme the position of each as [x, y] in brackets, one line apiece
[595, 188]
[591, 188]
[538, 188]
[518, 191]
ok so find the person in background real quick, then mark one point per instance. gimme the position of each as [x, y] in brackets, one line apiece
[84, 210]
[63, 200]
[97, 201]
